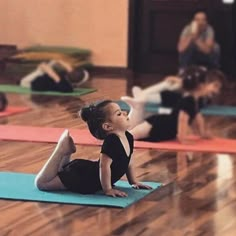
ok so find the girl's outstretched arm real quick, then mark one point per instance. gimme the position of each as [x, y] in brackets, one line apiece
[183, 127]
[200, 125]
[132, 180]
[105, 177]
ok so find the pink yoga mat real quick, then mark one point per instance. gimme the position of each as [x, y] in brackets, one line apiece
[12, 110]
[51, 135]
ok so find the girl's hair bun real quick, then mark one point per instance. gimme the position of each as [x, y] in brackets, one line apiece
[193, 76]
[87, 112]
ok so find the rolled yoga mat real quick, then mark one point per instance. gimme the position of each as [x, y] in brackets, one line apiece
[83, 137]
[20, 186]
[7, 88]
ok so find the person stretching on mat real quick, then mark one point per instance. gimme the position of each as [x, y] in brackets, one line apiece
[54, 76]
[168, 92]
[3, 102]
[107, 122]
[161, 127]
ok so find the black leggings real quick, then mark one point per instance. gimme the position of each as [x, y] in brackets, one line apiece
[46, 83]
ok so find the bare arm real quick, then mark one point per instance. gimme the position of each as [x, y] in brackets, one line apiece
[132, 180]
[130, 174]
[184, 43]
[183, 126]
[200, 126]
[204, 46]
[105, 177]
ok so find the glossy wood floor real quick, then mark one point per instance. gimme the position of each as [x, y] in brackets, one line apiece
[199, 197]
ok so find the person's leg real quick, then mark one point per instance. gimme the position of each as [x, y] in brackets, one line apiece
[137, 113]
[47, 178]
[136, 91]
[141, 131]
[152, 93]
[186, 58]
[215, 56]
[28, 79]
[210, 60]
[50, 72]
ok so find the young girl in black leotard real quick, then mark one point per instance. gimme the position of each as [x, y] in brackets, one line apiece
[107, 122]
[186, 112]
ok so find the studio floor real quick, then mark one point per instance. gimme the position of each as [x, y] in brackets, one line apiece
[199, 196]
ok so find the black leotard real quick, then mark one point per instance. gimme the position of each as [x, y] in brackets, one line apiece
[164, 127]
[82, 176]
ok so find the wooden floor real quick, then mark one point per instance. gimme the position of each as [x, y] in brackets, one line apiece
[199, 197]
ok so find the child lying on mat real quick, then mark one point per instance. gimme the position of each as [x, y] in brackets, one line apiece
[169, 91]
[185, 114]
[107, 122]
[3, 102]
[54, 76]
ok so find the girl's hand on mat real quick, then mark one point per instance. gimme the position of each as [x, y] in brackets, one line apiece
[140, 186]
[115, 193]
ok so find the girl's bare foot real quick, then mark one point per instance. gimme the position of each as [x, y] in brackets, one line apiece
[66, 143]
[136, 91]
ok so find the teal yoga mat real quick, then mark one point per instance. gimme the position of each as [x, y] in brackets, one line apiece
[214, 110]
[7, 88]
[219, 110]
[20, 186]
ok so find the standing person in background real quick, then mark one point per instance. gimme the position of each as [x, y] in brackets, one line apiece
[197, 45]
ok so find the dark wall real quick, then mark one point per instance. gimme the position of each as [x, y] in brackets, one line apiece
[156, 25]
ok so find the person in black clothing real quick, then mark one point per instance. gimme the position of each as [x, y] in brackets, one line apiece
[56, 75]
[186, 113]
[167, 93]
[107, 122]
[3, 102]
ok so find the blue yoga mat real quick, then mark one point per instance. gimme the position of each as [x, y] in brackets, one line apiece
[214, 110]
[20, 186]
[219, 110]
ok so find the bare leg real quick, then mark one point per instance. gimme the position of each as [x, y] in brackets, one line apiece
[136, 114]
[28, 79]
[152, 93]
[141, 131]
[64, 161]
[47, 178]
[136, 91]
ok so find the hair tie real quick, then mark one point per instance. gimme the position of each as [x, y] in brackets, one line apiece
[92, 108]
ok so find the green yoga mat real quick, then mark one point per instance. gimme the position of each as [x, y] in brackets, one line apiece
[7, 88]
[20, 186]
[214, 110]
[61, 49]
